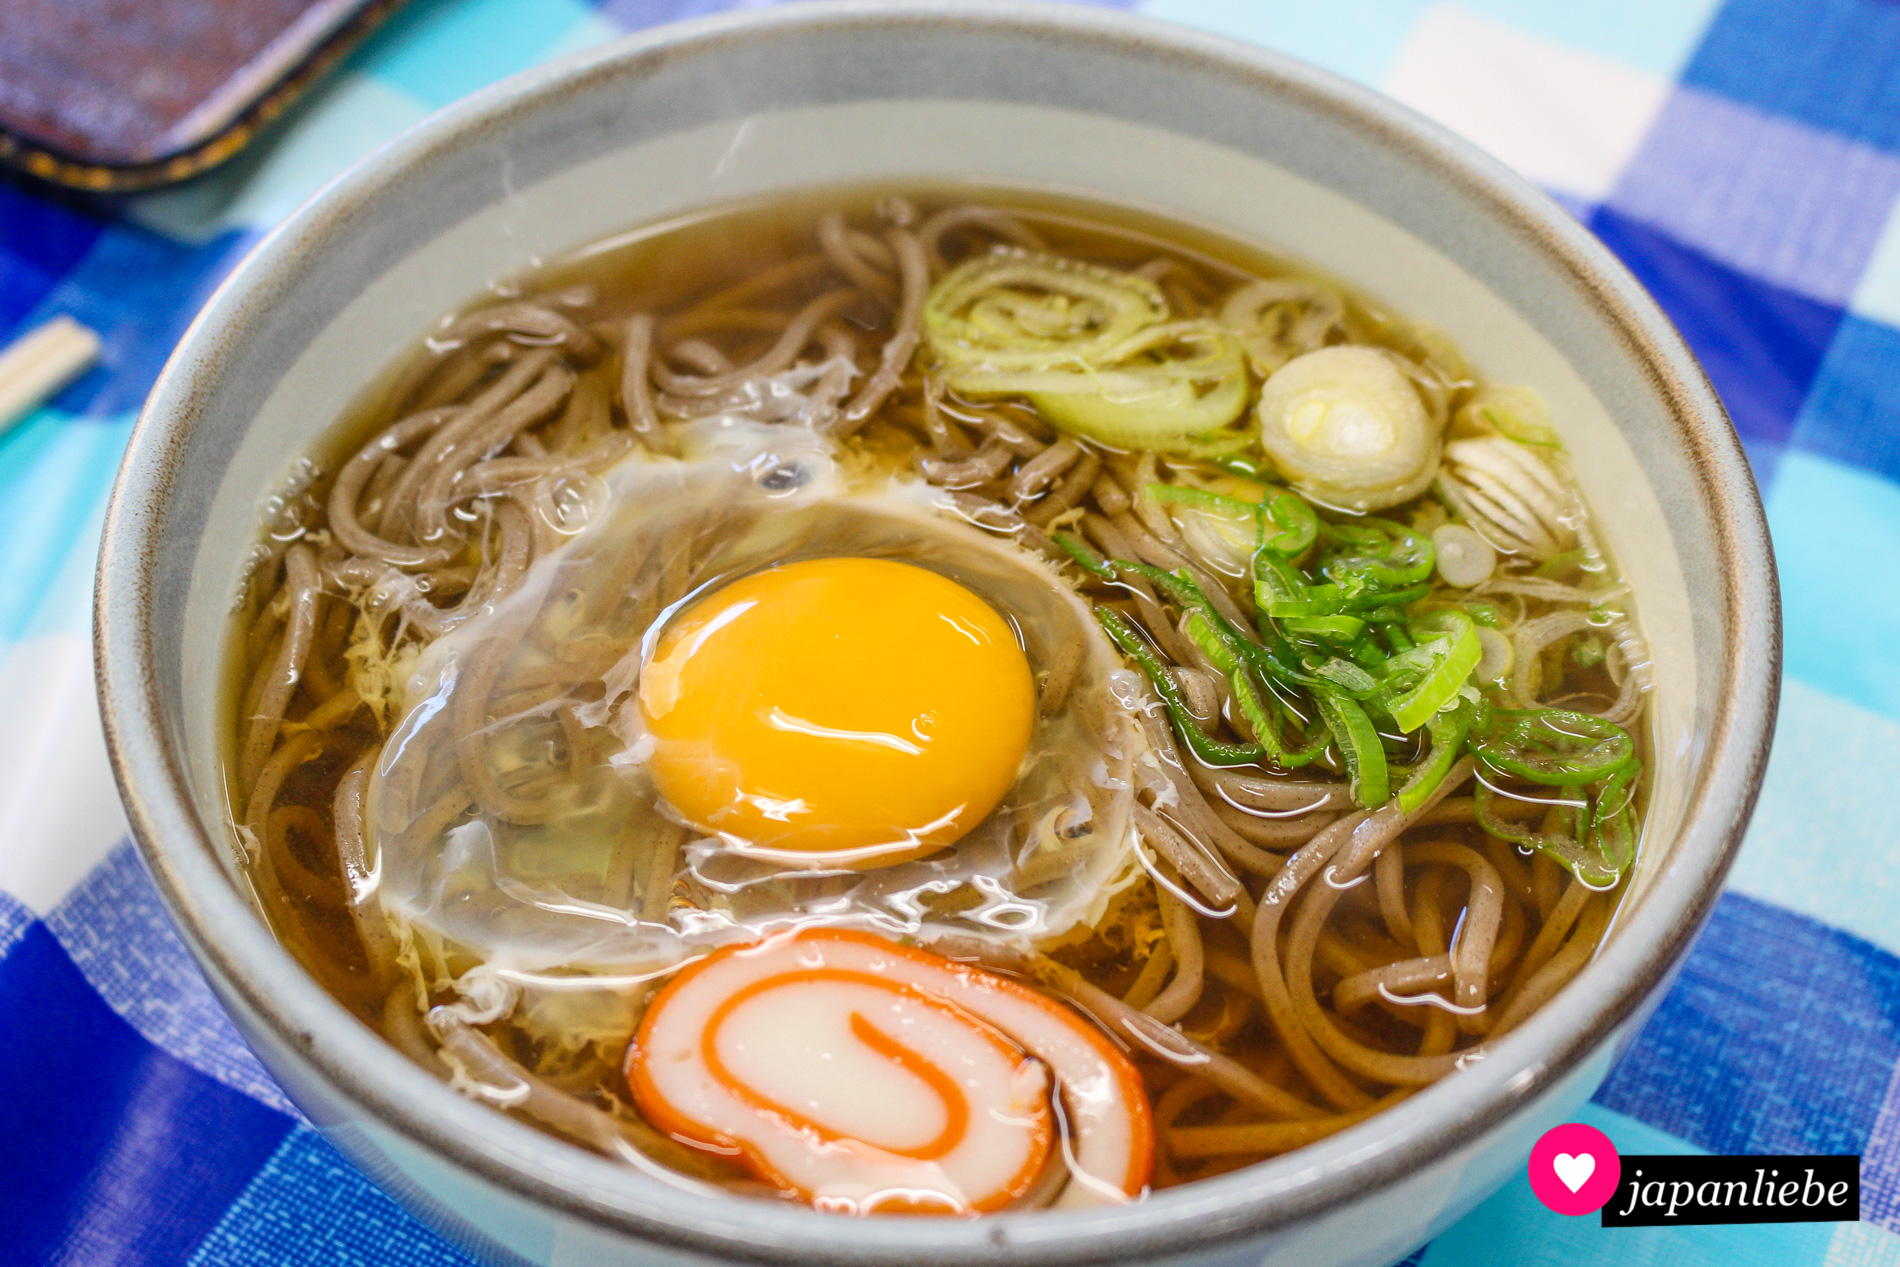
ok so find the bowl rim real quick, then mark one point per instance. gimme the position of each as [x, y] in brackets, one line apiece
[255, 975]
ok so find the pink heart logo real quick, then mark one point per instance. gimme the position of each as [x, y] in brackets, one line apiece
[1574, 1169]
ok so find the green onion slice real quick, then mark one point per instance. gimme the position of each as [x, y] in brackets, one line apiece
[1447, 730]
[1228, 655]
[1202, 498]
[1377, 554]
[1091, 347]
[1428, 677]
[1553, 746]
[1292, 521]
[1243, 466]
[1090, 561]
[1280, 590]
[1359, 746]
[1337, 628]
[1347, 677]
[1211, 751]
[1598, 856]
[1160, 389]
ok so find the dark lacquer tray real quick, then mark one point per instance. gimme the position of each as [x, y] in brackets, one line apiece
[132, 94]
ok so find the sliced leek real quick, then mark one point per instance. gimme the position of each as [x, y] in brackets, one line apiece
[1090, 347]
[1023, 311]
[1280, 318]
[1158, 390]
[1346, 427]
[1517, 413]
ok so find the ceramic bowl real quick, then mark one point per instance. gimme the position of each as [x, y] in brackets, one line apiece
[1059, 97]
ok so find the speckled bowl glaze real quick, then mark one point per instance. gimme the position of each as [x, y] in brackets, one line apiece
[1002, 93]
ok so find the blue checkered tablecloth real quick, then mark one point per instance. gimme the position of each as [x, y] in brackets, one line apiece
[1742, 156]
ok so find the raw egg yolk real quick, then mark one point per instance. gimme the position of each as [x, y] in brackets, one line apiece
[862, 707]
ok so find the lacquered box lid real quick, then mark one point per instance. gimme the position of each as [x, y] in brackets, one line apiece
[130, 94]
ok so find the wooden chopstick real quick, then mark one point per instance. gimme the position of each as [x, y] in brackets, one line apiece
[38, 364]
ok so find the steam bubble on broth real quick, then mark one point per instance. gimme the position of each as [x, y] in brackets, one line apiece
[1293, 749]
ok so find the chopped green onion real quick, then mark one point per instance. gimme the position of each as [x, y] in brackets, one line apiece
[1430, 675]
[1220, 528]
[1389, 605]
[1359, 746]
[1087, 558]
[1264, 727]
[1485, 798]
[1201, 497]
[1298, 526]
[1338, 628]
[1210, 751]
[1394, 556]
[1369, 655]
[1356, 580]
[1613, 819]
[1281, 663]
[1518, 413]
[1554, 746]
[1618, 793]
[1180, 587]
[1447, 730]
[1221, 649]
[1596, 860]
[1280, 590]
[1557, 565]
[1348, 677]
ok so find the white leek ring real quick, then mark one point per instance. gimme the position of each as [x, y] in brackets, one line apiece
[1346, 427]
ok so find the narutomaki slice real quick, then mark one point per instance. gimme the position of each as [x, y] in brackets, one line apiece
[871, 1077]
